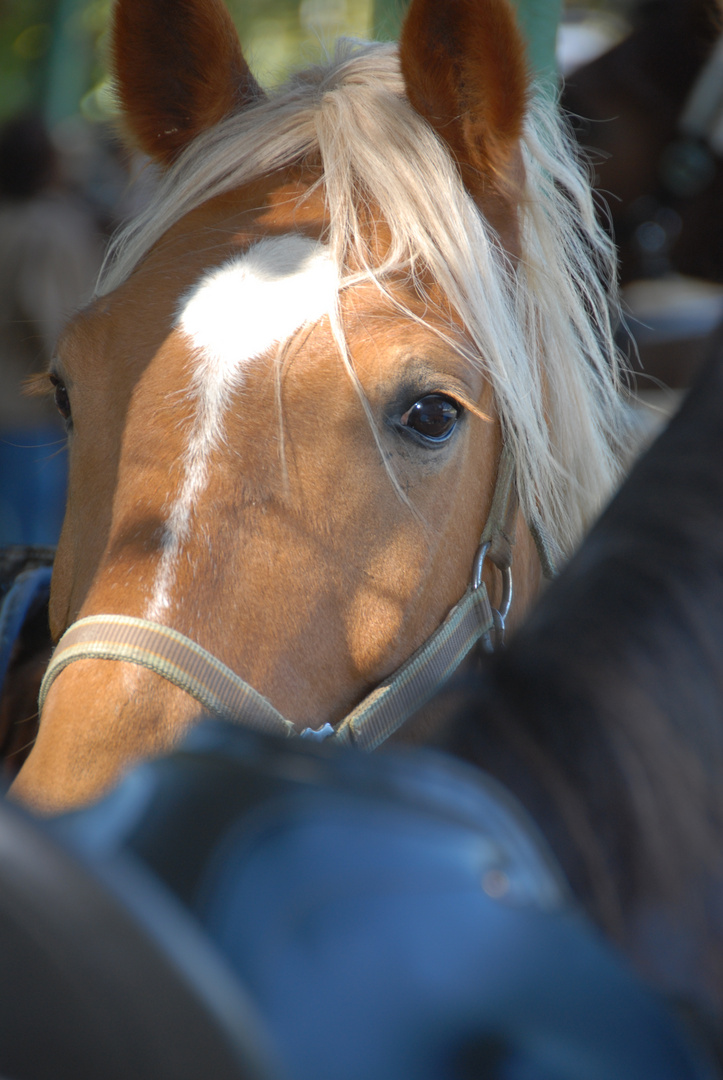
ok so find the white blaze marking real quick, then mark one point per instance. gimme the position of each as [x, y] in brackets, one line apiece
[231, 317]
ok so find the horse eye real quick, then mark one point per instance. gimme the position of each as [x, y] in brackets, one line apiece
[62, 401]
[433, 417]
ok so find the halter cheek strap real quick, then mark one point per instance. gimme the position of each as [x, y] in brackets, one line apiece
[412, 685]
[221, 692]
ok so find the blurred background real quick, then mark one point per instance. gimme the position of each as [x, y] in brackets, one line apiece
[65, 185]
[52, 52]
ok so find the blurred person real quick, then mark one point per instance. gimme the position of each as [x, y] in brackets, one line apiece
[49, 257]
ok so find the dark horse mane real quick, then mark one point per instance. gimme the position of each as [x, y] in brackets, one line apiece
[604, 714]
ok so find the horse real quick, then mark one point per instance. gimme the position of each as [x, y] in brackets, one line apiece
[603, 714]
[364, 324]
[647, 110]
[430, 906]
[647, 113]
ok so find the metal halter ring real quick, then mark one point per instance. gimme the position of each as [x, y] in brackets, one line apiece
[506, 581]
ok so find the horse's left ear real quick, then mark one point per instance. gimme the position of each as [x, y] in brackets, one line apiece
[178, 70]
[464, 65]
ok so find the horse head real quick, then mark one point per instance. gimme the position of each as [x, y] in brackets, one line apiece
[287, 403]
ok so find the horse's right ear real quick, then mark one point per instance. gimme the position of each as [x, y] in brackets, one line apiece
[464, 64]
[178, 70]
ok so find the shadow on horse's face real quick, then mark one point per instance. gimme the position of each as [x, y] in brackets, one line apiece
[284, 436]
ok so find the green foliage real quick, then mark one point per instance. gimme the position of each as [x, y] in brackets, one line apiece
[25, 40]
[53, 52]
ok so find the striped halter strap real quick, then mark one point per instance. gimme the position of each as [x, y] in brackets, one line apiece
[223, 694]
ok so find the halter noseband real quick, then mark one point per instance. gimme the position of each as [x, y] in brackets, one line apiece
[221, 692]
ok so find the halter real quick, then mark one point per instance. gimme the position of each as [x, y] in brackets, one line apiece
[221, 692]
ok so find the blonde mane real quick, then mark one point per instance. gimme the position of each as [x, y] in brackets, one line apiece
[542, 333]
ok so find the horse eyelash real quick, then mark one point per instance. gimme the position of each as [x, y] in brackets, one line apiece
[467, 404]
[38, 385]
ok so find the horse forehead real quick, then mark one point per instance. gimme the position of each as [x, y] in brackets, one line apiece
[258, 298]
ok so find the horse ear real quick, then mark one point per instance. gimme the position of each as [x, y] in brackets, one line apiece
[178, 69]
[465, 69]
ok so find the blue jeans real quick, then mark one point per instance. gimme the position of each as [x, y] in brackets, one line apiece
[33, 483]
